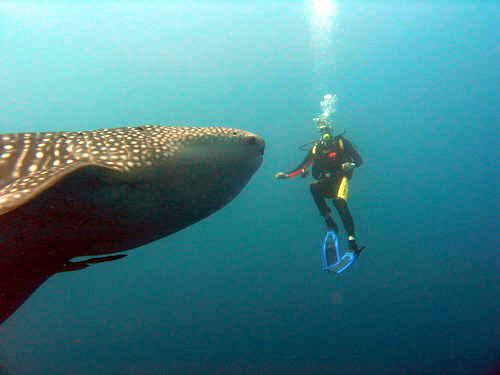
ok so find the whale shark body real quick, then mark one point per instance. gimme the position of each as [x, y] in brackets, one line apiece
[92, 193]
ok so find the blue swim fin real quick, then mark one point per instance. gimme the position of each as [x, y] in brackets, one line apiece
[332, 261]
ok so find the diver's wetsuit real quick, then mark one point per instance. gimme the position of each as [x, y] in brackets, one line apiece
[330, 180]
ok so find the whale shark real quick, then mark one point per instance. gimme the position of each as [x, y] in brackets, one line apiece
[93, 193]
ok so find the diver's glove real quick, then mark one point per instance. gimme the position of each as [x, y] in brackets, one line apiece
[281, 175]
[346, 167]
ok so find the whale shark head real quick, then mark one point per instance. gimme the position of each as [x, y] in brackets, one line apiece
[209, 164]
[199, 169]
[225, 152]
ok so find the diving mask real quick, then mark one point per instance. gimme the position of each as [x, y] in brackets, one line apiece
[326, 137]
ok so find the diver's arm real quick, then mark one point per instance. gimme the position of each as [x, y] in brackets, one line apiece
[302, 166]
[352, 153]
[300, 169]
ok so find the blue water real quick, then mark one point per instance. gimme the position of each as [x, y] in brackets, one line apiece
[243, 292]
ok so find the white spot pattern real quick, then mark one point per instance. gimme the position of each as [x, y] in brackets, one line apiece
[28, 161]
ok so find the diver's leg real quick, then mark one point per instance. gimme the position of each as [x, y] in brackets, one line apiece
[340, 203]
[318, 193]
[345, 215]
[318, 189]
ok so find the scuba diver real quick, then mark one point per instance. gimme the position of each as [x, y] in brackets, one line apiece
[333, 160]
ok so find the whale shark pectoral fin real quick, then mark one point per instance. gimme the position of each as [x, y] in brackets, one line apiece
[31, 185]
[75, 266]
[18, 282]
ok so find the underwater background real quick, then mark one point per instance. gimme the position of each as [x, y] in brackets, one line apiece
[243, 291]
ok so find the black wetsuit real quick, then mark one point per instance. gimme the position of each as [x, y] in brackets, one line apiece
[327, 159]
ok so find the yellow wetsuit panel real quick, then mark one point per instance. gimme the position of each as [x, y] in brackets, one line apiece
[343, 191]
